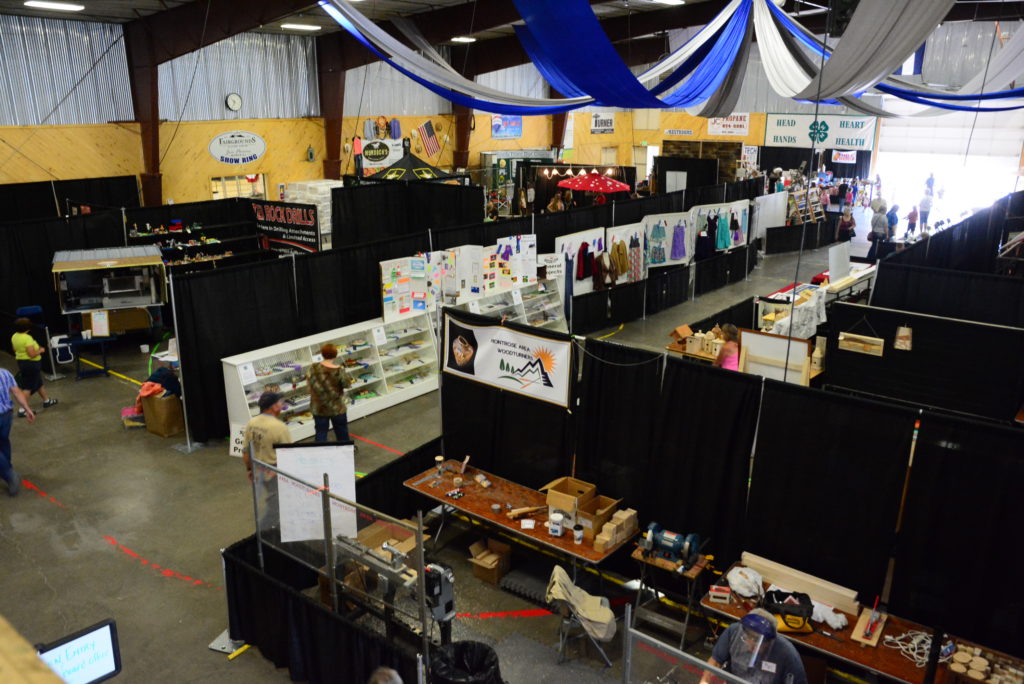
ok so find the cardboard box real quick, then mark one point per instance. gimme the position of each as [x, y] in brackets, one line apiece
[567, 493]
[164, 416]
[375, 535]
[491, 560]
[681, 333]
[595, 513]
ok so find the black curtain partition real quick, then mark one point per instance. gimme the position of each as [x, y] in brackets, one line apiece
[964, 489]
[208, 213]
[696, 481]
[711, 273]
[26, 258]
[226, 312]
[791, 157]
[266, 608]
[49, 199]
[380, 211]
[931, 373]
[382, 490]
[622, 386]
[699, 172]
[511, 435]
[590, 313]
[740, 314]
[823, 505]
[667, 287]
[955, 294]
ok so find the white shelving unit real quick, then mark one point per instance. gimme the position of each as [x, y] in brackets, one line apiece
[388, 363]
[538, 304]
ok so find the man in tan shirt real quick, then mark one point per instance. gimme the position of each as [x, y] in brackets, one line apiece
[261, 434]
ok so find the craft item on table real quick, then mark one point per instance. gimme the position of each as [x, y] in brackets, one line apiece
[709, 343]
[658, 237]
[745, 581]
[679, 241]
[717, 347]
[693, 343]
[482, 480]
[904, 338]
[816, 359]
[716, 331]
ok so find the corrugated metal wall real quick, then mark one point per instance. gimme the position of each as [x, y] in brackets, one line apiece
[43, 63]
[959, 50]
[377, 89]
[275, 75]
[523, 80]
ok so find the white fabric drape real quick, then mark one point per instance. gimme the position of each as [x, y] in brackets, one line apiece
[880, 36]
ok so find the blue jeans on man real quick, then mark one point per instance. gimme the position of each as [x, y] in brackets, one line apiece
[323, 423]
[6, 468]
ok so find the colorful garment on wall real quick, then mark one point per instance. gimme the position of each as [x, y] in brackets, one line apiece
[636, 260]
[679, 241]
[658, 237]
[722, 238]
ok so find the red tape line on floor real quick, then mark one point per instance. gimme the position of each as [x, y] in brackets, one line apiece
[166, 572]
[40, 493]
[370, 441]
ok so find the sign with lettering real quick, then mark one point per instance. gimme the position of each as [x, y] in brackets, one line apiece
[734, 124]
[89, 655]
[506, 126]
[237, 147]
[380, 154]
[287, 227]
[828, 130]
[678, 131]
[302, 514]
[844, 156]
[602, 122]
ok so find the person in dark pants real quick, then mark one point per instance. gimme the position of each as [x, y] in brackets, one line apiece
[327, 384]
[843, 189]
[8, 389]
[30, 363]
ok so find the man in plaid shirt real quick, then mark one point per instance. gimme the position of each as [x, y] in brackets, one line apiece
[9, 388]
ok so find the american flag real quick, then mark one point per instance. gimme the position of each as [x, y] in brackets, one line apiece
[430, 145]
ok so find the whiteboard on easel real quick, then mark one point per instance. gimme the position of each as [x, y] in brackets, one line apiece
[301, 507]
[769, 355]
[838, 262]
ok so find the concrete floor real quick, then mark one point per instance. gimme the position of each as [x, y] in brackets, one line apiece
[115, 523]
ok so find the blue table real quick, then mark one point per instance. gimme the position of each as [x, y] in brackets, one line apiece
[77, 343]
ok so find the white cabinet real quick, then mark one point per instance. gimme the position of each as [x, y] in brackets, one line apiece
[538, 304]
[388, 363]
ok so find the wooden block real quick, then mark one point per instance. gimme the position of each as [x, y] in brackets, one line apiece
[839, 597]
[862, 625]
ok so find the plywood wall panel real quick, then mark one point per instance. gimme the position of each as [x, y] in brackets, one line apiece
[42, 153]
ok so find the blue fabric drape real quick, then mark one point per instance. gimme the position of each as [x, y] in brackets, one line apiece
[573, 39]
[551, 73]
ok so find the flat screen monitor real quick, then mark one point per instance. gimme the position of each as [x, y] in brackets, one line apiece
[120, 284]
[87, 656]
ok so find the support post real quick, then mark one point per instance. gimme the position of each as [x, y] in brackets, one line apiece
[330, 66]
[189, 447]
[325, 501]
[463, 132]
[144, 82]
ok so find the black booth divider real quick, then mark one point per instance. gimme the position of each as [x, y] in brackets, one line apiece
[49, 199]
[740, 314]
[267, 609]
[934, 373]
[712, 273]
[964, 485]
[508, 434]
[667, 286]
[955, 294]
[787, 238]
[825, 505]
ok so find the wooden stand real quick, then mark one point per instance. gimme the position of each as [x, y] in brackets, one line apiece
[862, 625]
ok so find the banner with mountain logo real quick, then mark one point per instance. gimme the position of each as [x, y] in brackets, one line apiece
[536, 366]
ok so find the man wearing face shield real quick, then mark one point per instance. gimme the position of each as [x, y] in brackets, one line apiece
[752, 650]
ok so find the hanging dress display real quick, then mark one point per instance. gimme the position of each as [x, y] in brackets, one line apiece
[737, 236]
[636, 260]
[584, 262]
[722, 238]
[658, 236]
[621, 255]
[679, 241]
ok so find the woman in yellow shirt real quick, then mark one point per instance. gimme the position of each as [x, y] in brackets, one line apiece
[30, 363]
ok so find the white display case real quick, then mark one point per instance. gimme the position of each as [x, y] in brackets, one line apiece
[538, 304]
[388, 363]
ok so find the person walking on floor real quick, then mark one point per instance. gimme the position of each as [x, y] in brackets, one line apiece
[879, 230]
[892, 220]
[8, 389]
[843, 189]
[261, 434]
[327, 382]
[845, 225]
[925, 206]
[911, 222]
[30, 363]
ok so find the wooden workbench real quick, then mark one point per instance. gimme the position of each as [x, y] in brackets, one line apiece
[477, 502]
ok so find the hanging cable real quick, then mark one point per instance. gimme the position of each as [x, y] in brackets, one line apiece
[597, 358]
[984, 78]
[188, 94]
[810, 171]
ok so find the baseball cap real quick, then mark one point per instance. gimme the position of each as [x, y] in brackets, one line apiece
[268, 399]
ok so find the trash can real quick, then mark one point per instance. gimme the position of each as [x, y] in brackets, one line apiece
[464, 662]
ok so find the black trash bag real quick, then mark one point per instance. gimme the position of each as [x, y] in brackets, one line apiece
[464, 662]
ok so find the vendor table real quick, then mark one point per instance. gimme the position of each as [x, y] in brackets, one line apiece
[888, 662]
[650, 564]
[477, 500]
[76, 344]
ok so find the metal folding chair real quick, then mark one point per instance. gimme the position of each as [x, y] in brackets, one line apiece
[570, 622]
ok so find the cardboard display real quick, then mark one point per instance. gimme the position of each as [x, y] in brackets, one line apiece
[491, 559]
[164, 415]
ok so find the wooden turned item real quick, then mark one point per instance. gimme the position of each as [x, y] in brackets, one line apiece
[979, 663]
[959, 668]
[961, 657]
[975, 674]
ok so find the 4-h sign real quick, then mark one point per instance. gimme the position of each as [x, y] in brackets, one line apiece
[827, 130]
[819, 131]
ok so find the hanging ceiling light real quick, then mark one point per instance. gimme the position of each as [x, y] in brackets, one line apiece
[300, 27]
[463, 39]
[608, 171]
[58, 6]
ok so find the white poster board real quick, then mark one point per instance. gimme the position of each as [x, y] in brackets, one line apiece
[554, 268]
[571, 244]
[671, 238]
[531, 365]
[405, 287]
[675, 181]
[838, 262]
[302, 511]
[520, 253]
[630, 234]
[770, 212]
[766, 355]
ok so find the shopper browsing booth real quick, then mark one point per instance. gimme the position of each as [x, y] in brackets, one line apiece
[753, 650]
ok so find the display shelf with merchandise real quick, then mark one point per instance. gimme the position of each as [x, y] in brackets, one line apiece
[387, 364]
[538, 304]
